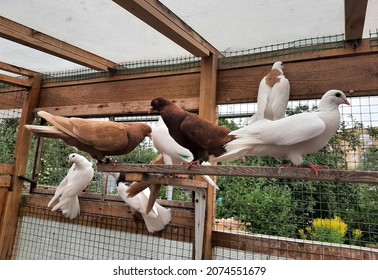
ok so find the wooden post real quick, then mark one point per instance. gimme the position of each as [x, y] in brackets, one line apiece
[207, 110]
[8, 221]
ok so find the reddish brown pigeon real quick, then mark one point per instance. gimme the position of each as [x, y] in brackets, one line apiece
[199, 136]
[98, 138]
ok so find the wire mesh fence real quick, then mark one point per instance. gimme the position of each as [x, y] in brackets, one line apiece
[43, 235]
[12, 99]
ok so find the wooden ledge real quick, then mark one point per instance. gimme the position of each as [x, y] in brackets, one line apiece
[329, 175]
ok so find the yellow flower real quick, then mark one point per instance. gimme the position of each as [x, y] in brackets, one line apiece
[357, 233]
[331, 224]
[302, 234]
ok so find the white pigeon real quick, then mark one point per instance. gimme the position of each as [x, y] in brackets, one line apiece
[76, 180]
[289, 138]
[157, 219]
[273, 95]
[172, 152]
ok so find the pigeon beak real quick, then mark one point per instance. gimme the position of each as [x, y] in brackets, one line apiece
[149, 136]
[346, 102]
[150, 110]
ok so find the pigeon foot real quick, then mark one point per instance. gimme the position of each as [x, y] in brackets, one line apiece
[190, 164]
[316, 168]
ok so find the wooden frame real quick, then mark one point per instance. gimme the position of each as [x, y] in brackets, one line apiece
[8, 220]
[195, 89]
[32, 38]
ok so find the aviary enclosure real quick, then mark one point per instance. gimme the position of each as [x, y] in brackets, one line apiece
[261, 211]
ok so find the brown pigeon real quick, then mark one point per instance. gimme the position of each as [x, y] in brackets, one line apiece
[98, 138]
[199, 136]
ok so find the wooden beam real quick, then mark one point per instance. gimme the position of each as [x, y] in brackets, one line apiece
[17, 70]
[32, 38]
[159, 17]
[294, 173]
[355, 12]
[8, 220]
[6, 169]
[291, 248]
[118, 108]
[125, 91]
[15, 81]
[163, 180]
[208, 111]
[113, 216]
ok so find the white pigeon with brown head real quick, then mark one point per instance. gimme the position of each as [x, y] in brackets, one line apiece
[273, 95]
[289, 138]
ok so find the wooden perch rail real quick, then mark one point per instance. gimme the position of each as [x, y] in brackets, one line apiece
[164, 180]
[344, 176]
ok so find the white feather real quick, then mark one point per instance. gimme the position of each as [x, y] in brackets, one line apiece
[154, 221]
[76, 180]
[289, 138]
[172, 152]
[272, 100]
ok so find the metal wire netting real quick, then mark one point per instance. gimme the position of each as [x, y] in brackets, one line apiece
[11, 100]
[126, 68]
[286, 49]
[43, 235]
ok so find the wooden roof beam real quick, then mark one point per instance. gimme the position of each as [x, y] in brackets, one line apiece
[21, 34]
[159, 17]
[355, 12]
[17, 70]
[15, 81]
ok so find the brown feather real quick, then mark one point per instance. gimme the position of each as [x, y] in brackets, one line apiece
[98, 138]
[200, 136]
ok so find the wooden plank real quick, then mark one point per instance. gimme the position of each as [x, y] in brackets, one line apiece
[5, 182]
[3, 195]
[208, 111]
[159, 17]
[341, 176]
[126, 91]
[15, 81]
[92, 211]
[17, 70]
[355, 12]
[110, 109]
[32, 38]
[6, 169]
[291, 248]
[8, 221]
[115, 198]
[12, 99]
[308, 79]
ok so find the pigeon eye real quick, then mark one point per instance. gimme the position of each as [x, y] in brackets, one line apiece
[338, 94]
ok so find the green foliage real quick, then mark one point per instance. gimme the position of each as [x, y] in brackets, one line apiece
[8, 134]
[262, 206]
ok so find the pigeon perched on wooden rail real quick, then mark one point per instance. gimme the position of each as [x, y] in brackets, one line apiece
[98, 138]
[292, 137]
[171, 151]
[76, 180]
[156, 219]
[273, 95]
[199, 136]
